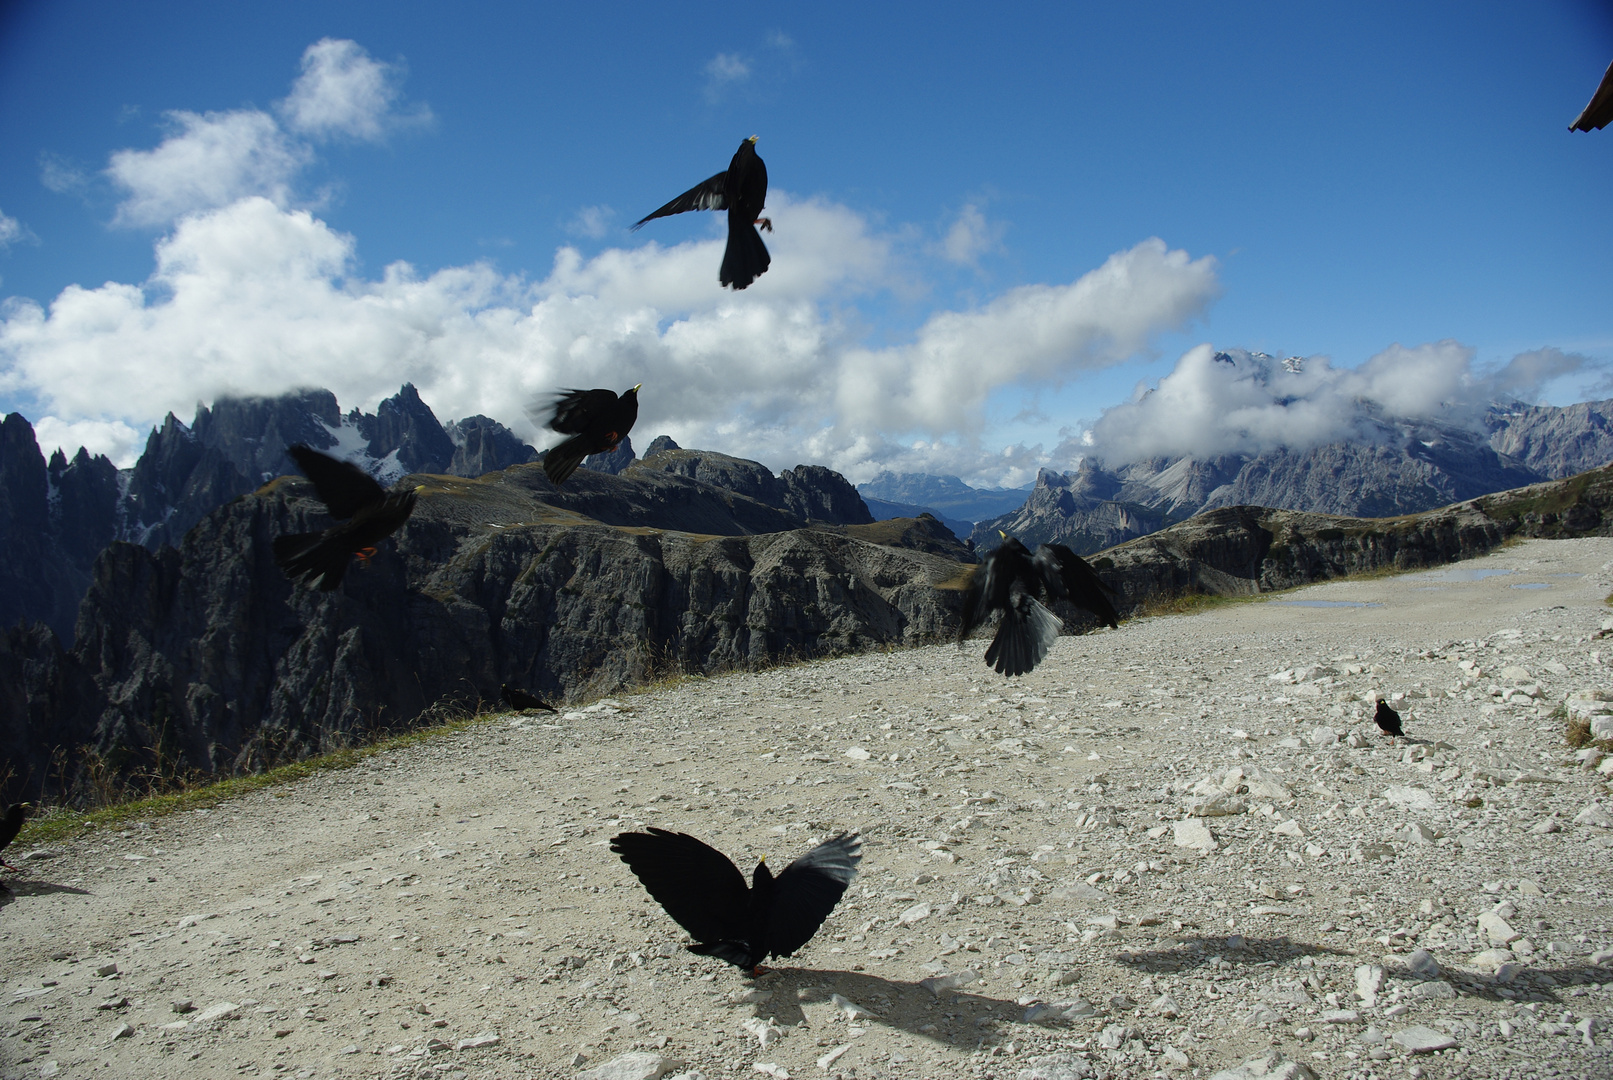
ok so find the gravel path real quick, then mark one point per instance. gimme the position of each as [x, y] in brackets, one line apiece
[1173, 848]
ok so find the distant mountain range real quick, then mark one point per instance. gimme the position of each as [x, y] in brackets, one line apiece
[1404, 468]
[1400, 468]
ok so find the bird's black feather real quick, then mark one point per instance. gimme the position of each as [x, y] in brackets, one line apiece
[706, 195]
[516, 698]
[596, 420]
[10, 825]
[369, 514]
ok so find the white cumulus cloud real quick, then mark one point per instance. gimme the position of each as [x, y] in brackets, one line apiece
[210, 160]
[13, 231]
[213, 159]
[258, 298]
[970, 237]
[344, 91]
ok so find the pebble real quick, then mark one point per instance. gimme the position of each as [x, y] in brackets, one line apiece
[486, 1038]
[1368, 981]
[1421, 962]
[1268, 1066]
[766, 1031]
[1423, 1040]
[635, 1066]
[1497, 929]
[849, 1008]
[940, 984]
[1056, 1067]
[1194, 833]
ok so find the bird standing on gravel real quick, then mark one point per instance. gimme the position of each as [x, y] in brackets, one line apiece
[705, 893]
[516, 698]
[1008, 580]
[596, 420]
[10, 826]
[368, 512]
[741, 189]
[1388, 720]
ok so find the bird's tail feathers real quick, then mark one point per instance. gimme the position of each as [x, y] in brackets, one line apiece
[1027, 631]
[307, 556]
[561, 461]
[745, 259]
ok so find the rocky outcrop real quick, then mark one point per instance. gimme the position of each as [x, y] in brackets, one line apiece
[405, 430]
[810, 493]
[660, 443]
[482, 446]
[205, 658]
[947, 496]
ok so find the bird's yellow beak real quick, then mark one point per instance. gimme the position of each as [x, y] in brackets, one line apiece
[753, 138]
[636, 386]
[1002, 534]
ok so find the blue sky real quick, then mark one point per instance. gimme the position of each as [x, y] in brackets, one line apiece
[1327, 182]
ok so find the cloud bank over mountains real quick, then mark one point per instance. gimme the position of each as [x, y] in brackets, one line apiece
[252, 293]
[1236, 402]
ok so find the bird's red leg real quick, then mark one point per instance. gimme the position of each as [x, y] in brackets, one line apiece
[365, 554]
[7, 866]
[766, 223]
[758, 971]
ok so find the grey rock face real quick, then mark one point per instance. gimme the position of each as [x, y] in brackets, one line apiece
[404, 425]
[1398, 468]
[1556, 442]
[614, 462]
[207, 653]
[808, 493]
[482, 446]
[660, 443]
[816, 493]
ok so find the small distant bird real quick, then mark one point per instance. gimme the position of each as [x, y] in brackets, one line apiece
[741, 190]
[516, 698]
[705, 893]
[1008, 580]
[596, 420]
[369, 514]
[1388, 720]
[1599, 113]
[10, 826]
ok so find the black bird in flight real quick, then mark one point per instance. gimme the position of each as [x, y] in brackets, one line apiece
[1388, 720]
[1008, 580]
[1599, 113]
[10, 826]
[705, 893]
[741, 190]
[516, 698]
[368, 514]
[596, 420]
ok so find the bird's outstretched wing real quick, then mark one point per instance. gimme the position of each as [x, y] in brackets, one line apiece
[808, 889]
[706, 195]
[1069, 577]
[1599, 113]
[982, 583]
[343, 487]
[698, 885]
[574, 410]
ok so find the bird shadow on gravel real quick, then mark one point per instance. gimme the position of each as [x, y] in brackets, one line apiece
[1196, 952]
[14, 890]
[956, 1018]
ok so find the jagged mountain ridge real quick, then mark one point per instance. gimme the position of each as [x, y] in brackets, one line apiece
[1402, 468]
[56, 517]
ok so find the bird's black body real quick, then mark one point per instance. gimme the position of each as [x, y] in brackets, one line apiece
[10, 826]
[741, 189]
[1009, 580]
[596, 420]
[516, 698]
[705, 893]
[368, 514]
[1388, 720]
[1599, 112]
